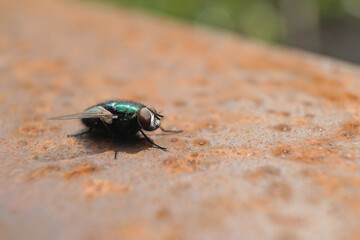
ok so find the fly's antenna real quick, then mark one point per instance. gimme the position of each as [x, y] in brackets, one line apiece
[159, 115]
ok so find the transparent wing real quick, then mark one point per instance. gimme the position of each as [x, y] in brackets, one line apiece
[82, 115]
[94, 112]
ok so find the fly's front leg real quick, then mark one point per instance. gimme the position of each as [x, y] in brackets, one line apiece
[152, 142]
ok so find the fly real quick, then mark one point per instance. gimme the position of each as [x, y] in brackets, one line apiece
[120, 119]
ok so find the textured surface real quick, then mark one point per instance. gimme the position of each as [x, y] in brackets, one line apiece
[270, 148]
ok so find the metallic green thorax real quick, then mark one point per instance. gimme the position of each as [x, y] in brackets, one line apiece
[126, 108]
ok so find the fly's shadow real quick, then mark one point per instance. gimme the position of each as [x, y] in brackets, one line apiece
[93, 143]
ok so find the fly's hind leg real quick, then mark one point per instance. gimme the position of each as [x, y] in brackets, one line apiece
[152, 142]
[113, 137]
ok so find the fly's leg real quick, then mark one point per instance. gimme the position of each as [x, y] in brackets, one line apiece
[152, 142]
[81, 133]
[113, 137]
[170, 131]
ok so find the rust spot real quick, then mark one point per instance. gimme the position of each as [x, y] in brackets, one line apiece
[317, 129]
[312, 151]
[201, 142]
[180, 103]
[282, 127]
[23, 143]
[182, 165]
[284, 220]
[163, 213]
[175, 139]
[279, 190]
[194, 154]
[54, 129]
[81, 171]
[42, 172]
[329, 183]
[299, 122]
[316, 151]
[98, 187]
[269, 170]
[325, 87]
[279, 113]
[43, 66]
[350, 129]
[262, 173]
[211, 125]
[134, 230]
[176, 165]
[32, 130]
[170, 161]
[283, 150]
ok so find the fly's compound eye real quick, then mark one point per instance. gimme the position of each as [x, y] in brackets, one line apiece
[147, 119]
[144, 118]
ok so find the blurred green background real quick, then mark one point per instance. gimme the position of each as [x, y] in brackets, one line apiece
[330, 27]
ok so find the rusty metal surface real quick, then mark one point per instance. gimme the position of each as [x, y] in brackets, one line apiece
[270, 148]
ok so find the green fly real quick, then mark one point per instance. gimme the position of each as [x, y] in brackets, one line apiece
[121, 119]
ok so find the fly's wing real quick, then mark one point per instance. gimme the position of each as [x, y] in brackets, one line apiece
[94, 112]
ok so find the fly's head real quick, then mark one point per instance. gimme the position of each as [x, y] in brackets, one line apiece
[148, 118]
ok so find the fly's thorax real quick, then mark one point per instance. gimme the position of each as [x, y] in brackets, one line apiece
[147, 119]
[126, 110]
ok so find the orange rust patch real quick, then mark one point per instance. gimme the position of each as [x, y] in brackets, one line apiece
[135, 231]
[180, 165]
[163, 213]
[285, 220]
[201, 142]
[262, 173]
[325, 87]
[333, 184]
[188, 164]
[22, 143]
[180, 103]
[350, 129]
[222, 206]
[300, 122]
[97, 187]
[211, 125]
[174, 139]
[43, 66]
[258, 203]
[32, 130]
[194, 154]
[42, 172]
[282, 150]
[81, 171]
[313, 151]
[353, 203]
[279, 113]
[279, 190]
[230, 152]
[282, 127]
[329, 183]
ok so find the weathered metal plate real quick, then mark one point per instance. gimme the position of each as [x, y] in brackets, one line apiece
[270, 148]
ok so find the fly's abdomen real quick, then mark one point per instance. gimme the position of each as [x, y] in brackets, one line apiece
[92, 122]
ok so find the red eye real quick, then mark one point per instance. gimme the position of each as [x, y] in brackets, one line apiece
[144, 118]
